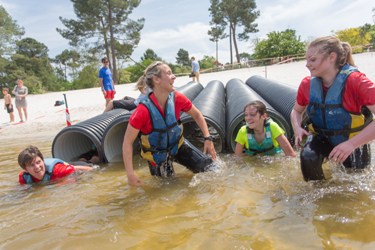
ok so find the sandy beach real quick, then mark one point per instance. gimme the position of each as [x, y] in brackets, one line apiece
[46, 120]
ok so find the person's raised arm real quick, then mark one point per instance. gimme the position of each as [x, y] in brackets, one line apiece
[296, 120]
[199, 119]
[127, 155]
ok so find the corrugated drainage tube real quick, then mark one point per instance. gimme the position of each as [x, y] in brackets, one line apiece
[75, 140]
[211, 103]
[238, 95]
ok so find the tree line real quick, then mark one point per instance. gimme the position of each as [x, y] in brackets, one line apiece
[104, 28]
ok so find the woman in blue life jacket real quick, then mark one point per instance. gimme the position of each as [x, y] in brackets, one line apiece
[339, 101]
[261, 135]
[156, 118]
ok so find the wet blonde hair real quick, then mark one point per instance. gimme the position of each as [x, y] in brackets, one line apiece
[146, 79]
[328, 44]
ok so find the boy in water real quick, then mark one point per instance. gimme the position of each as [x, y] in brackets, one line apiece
[8, 103]
[36, 169]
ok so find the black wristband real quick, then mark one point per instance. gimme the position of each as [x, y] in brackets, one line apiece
[209, 138]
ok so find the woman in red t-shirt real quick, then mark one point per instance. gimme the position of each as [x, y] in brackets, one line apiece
[334, 96]
[154, 112]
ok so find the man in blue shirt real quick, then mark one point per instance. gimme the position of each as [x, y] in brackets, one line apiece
[106, 82]
[194, 69]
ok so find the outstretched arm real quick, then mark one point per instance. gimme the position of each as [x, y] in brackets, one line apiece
[127, 154]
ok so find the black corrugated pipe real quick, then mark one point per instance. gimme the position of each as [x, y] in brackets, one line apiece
[75, 140]
[281, 96]
[211, 102]
[238, 95]
[190, 89]
[113, 136]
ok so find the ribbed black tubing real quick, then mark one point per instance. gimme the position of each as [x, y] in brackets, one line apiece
[211, 103]
[113, 136]
[238, 94]
[190, 90]
[281, 96]
[73, 141]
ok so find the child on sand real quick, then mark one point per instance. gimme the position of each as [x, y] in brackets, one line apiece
[36, 169]
[261, 135]
[8, 103]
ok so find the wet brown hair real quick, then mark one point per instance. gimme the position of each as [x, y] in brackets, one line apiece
[27, 156]
[261, 108]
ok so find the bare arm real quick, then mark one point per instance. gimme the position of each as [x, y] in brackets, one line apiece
[199, 119]
[101, 85]
[83, 168]
[285, 145]
[239, 149]
[296, 120]
[127, 154]
[344, 149]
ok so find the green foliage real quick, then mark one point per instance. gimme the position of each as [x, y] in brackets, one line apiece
[150, 55]
[207, 62]
[136, 70]
[183, 58]
[104, 24]
[9, 32]
[356, 37]
[68, 61]
[87, 78]
[279, 44]
[238, 15]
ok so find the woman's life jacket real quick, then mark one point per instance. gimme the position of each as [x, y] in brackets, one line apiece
[166, 136]
[49, 164]
[328, 117]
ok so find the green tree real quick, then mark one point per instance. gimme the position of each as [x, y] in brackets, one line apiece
[235, 14]
[87, 78]
[68, 60]
[183, 58]
[10, 32]
[207, 62]
[104, 24]
[31, 62]
[279, 44]
[150, 54]
[356, 37]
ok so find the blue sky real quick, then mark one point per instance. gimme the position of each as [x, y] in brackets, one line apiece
[174, 24]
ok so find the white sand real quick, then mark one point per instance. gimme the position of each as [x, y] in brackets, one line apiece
[46, 120]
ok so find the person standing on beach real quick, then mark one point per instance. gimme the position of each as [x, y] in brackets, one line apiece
[195, 69]
[8, 103]
[339, 101]
[106, 82]
[20, 91]
[157, 119]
